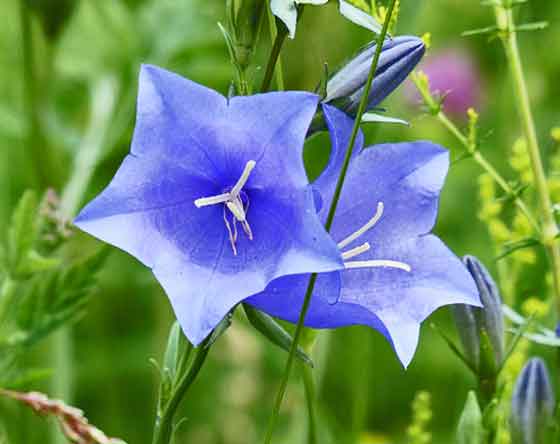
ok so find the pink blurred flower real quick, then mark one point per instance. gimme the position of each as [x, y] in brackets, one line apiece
[454, 74]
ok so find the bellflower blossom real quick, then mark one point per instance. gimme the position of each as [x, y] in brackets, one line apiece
[396, 272]
[213, 196]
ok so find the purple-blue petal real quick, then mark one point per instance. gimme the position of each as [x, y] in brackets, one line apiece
[394, 302]
[406, 177]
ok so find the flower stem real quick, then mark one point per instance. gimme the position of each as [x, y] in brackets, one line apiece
[328, 225]
[506, 25]
[35, 148]
[273, 29]
[273, 58]
[163, 429]
[309, 385]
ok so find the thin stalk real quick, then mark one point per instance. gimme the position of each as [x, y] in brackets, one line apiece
[506, 25]
[273, 58]
[273, 30]
[478, 157]
[489, 168]
[336, 197]
[310, 400]
[163, 429]
[35, 148]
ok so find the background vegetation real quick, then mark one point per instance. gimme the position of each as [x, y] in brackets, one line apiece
[87, 55]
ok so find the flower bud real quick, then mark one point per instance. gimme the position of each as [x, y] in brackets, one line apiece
[532, 405]
[244, 18]
[471, 321]
[398, 58]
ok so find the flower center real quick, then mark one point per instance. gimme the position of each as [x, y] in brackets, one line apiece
[349, 254]
[236, 202]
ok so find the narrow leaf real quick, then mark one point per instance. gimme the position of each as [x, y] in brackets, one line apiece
[274, 332]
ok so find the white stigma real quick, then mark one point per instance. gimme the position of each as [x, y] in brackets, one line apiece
[370, 224]
[386, 263]
[232, 201]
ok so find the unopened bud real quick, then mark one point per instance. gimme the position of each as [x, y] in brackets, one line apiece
[398, 58]
[532, 405]
[471, 321]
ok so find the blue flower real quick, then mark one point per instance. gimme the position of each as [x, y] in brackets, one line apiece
[397, 273]
[399, 56]
[213, 196]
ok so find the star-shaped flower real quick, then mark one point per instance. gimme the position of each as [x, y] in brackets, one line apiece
[213, 196]
[397, 273]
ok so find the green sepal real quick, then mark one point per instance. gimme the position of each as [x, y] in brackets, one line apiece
[220, 329]
[274, 332]
[470, 429]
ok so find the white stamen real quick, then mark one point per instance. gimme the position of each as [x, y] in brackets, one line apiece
[231, 233]
[244, 178]
[378, 263]
[237, 209]
[365, 228]
[355, 251]
[234, 204]
[212, 200]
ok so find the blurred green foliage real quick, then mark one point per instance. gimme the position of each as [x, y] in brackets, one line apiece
[362, 387]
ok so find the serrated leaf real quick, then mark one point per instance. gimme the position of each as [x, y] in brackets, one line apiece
[274, 332]
[23, 230]
[34, 263]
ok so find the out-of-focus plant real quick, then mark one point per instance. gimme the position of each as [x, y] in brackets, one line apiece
[418, 430]
[73, 423]
[43, 288]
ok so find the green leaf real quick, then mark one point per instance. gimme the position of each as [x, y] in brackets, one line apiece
[470, 429]
[23, 231]
[274, 332]
[454, 348]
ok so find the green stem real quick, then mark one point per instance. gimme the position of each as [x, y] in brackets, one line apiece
[273, 58]
[336, 197]
[478, 157]
[35, 148]
[309, 385]
[163, 429]
[273, 29]
[489, 168]
[506, 25]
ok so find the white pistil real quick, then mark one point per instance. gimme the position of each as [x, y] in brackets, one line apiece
[378, 263]
[234, 204]
[244, 178]
[355, 251]
[365, 228]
